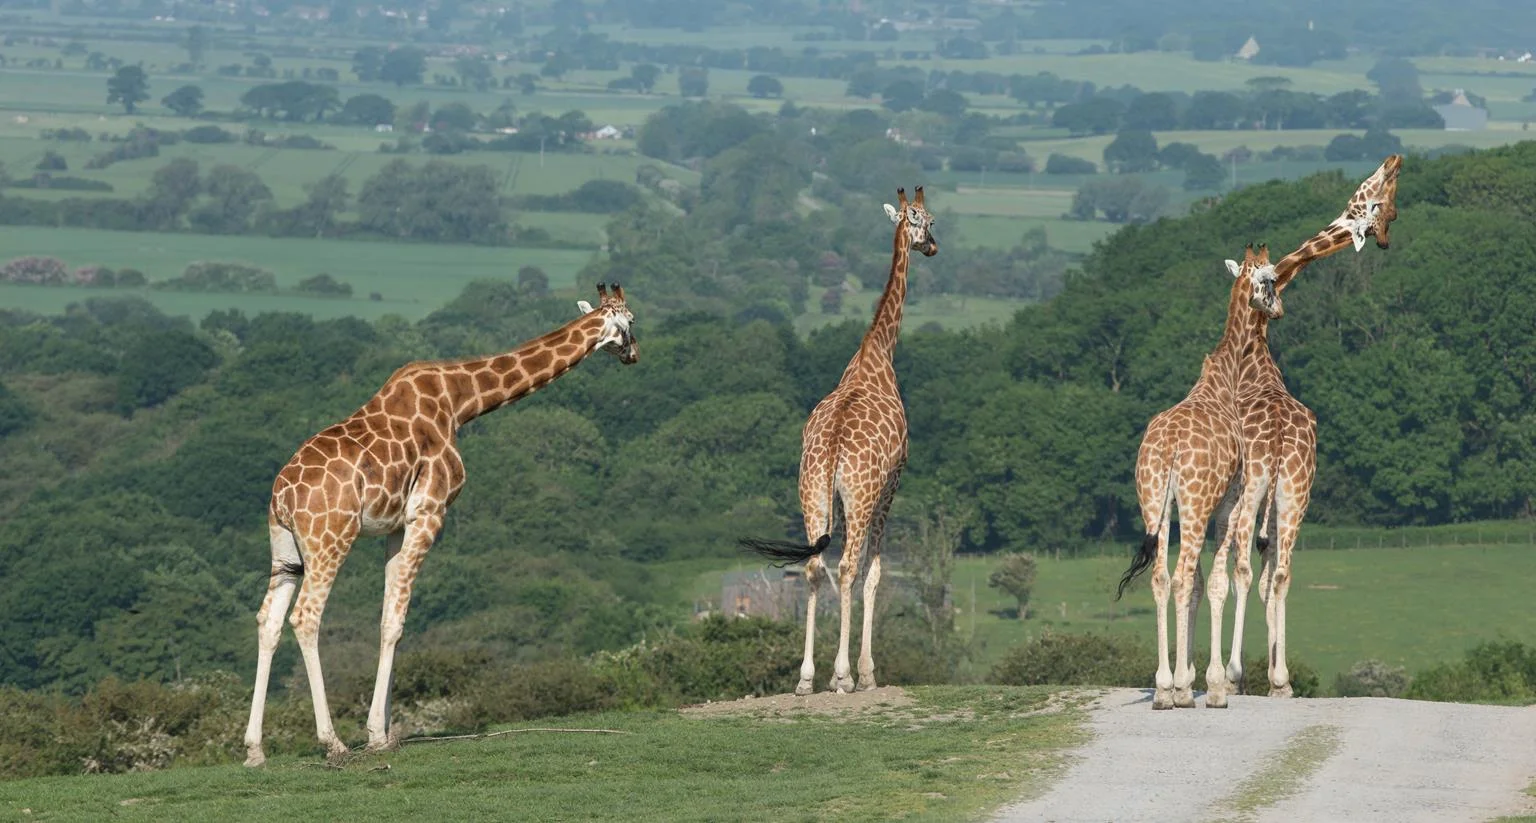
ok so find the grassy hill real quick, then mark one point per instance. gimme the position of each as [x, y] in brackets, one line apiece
[937, 753]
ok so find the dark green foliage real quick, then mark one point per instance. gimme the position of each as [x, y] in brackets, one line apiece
[1495, 672]
[15, 413]
[1077, 660]
[158, 365]
[1304, 679]
[1062, 164]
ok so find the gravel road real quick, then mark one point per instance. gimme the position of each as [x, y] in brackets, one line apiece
[1316, 760]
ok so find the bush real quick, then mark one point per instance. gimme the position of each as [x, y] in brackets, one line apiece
[1062, 164]
[1371, 678]
[222, 277]
[1304, 679]
[52, 161]
[325, 285]
[1500, 672]
[209, 134]
[1078, 660]
[61, 183]
[46, 271]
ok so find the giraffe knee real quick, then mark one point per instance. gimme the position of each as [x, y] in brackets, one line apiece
[306, 626]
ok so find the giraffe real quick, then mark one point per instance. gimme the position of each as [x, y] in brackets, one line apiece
[392, 469]
[854, 447]
[1280, 439]
[1192, 455]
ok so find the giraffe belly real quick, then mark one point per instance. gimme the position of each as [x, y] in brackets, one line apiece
[382, 519]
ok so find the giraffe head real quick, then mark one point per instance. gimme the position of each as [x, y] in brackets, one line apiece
[618, 334]
[1374, 205]
[915, 221]
[1256, 276]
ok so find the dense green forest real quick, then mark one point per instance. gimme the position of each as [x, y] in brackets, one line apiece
[140, 448]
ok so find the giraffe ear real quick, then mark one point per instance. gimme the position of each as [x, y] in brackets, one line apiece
[586, 308]
[1233, 267]
[890, 211]
[1357, 232]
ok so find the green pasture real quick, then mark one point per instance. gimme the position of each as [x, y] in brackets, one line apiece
[413, 279]
[1412, 607]
[1393, 598]
[952, 754]
[1220, 142]
[950, 311]
[1003, 232]
[1164, 71]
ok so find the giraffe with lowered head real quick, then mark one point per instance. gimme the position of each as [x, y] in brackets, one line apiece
[1192, 455]
[1280, 439]
[392, 469]
[854, 447]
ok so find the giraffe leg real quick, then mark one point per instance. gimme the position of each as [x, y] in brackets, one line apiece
[1242, 526]
[269, 631]
[819, 507]
[855, 532]
[871, 583]
[1162, 698]
[1190, 544]
[1291, 507]
[406, 550]
[319, 575]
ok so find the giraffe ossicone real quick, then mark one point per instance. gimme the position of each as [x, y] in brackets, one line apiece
[393, 468]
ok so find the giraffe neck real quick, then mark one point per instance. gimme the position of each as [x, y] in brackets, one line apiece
[1258, 366]
[1218, 374]
[879, 346]
[474, 387]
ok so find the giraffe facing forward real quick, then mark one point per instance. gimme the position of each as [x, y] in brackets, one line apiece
[854, 447]
[392, 469]
[1280, 438]
[1192, 455]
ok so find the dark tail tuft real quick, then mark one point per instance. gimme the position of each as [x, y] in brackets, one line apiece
[1261, 545]
[785, 552]
[289, 569]
[1139, 563]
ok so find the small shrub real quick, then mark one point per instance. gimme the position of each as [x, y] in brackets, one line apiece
[47, 271]
[52, 161]
[1500, 672]
[1304, 679]
[61, 182]
[1078, 660]
[1063, 164]
[1371, 678]
[222, 277]
[208, 134]
[325, 285]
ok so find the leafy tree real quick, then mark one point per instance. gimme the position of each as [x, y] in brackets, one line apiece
[474, 73]
[1397, 80]
[435, 201]
[172, 188]
[158, 365]
[234, 194]
[944, 102]
[1213, 110]
[186, 101]
[1132, 150]
[532, 281]
[196, 44]
[368, 62]
[693, 82]
[366, 110]
[1151, 112]
[403, 65]
[1099, 115]
[1015, 575]
[764, 85]
[902, 95]
[1203, 172]
[129, 86]
[1064, 164]
[645, 76]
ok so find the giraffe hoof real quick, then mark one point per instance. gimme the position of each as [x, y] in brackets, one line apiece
[1215, 701]
[842, 685]
[254, 758]
[337, 754]
[866, 684]
[1184, 698]
[804, 688]
[1162, 700]
[1281, 691]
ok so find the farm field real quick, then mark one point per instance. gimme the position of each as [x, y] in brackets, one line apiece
[413, 279]
[919, 761]
[949, 311]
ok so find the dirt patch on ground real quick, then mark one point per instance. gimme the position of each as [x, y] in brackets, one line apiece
[821, 703]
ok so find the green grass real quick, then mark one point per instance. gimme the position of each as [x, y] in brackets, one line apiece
[952, 755]
[1002, 232]
[1284, 772]
[1413, 607]
[413, 279]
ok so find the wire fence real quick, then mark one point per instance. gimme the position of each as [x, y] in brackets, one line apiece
[1332, 538]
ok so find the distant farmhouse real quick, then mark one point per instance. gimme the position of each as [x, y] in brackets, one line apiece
[1249, 50]
[1461, 115]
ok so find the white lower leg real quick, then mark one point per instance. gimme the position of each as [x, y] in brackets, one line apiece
[1183, 672]
[866, 656]
[1216, 591]
[842, 676]
[378, 710]
[808, 665]
[269, 630]
[1164, 678]
[1243, 578]
[1279, 675]
[309, 645]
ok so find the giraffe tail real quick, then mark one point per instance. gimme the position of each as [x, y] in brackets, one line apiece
[785, 552]
[1148, 551]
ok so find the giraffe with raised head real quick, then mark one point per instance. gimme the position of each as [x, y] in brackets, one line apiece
[1280, 438]
[392, 469]
[1192, 455]
[854, 447]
